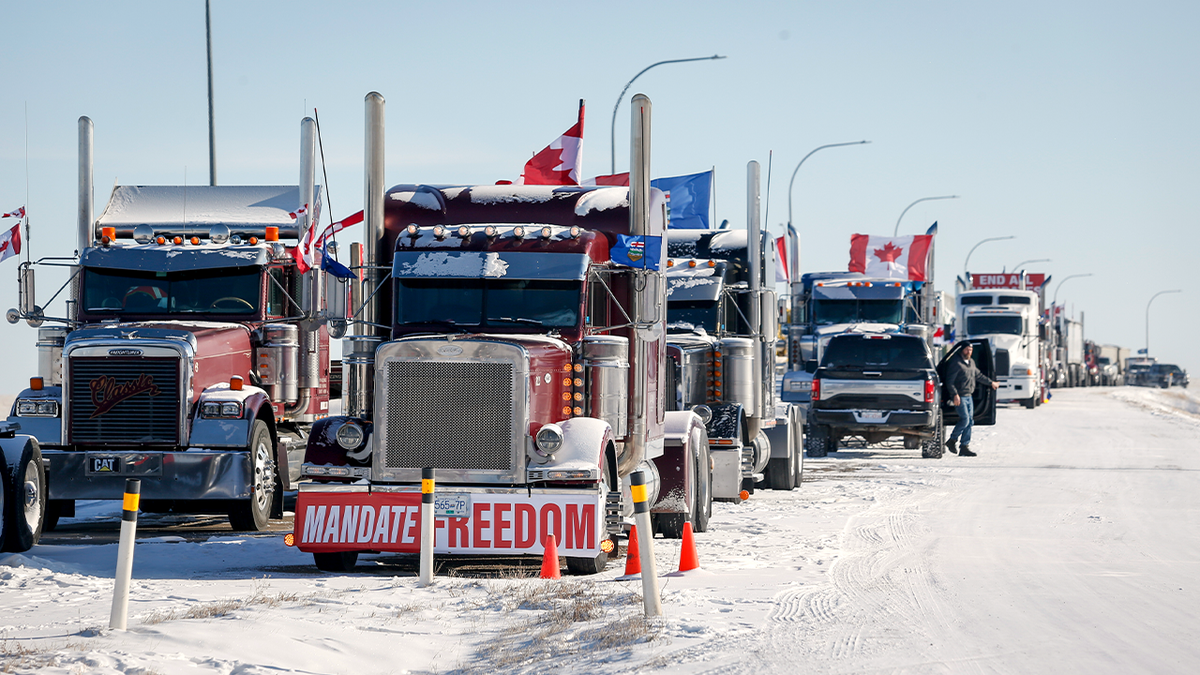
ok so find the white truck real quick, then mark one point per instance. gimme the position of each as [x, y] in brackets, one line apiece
[1004, 309]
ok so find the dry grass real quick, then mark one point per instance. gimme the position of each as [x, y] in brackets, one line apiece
[561, 620]
[16, 655]
[212, 610]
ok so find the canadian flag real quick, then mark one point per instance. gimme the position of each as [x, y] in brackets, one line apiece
[891, 257]
[10, 242]
[781, 260]
[558, 163]
[18, 213]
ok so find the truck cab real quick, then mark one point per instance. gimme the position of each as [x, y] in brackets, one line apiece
[1008, 320]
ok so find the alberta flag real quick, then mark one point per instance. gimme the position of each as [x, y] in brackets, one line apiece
[891, 257]
[637, 251]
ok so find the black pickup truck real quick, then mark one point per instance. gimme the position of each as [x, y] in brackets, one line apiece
[882, 385]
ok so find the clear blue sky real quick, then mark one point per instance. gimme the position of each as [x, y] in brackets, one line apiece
[1071, 125]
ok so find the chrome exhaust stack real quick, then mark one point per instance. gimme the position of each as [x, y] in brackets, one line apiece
[358, 370]
[646, 294]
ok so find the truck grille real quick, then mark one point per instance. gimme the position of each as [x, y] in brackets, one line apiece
[449, 415]
[123, 401]
[1002, 362]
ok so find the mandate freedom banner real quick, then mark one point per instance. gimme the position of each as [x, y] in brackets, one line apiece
[498, 524]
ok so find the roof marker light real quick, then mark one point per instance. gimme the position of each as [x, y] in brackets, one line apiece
[412, 230]
[490, 231]
[519, 232]
[670, 263]
[691, 263]
[439, 232]
[161, 240]
[177, 240]
[576, 231]
[464, 231]
[195, 241]
[546, 232]
[712, 263]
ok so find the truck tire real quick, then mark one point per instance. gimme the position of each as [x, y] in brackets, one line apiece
[55, 509]
[781, 472]
[933, 447]
[703, 505]
[253, 514]
[816, 441]
[24, 507]
[342, 561]
[1030, 402]
[584, 566]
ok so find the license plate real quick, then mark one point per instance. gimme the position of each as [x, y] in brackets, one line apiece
[452, 506]
[871, 415]
[105, 464]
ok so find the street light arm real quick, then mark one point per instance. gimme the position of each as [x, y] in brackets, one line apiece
[1174, 290]
[968, 260]
[1055, 299]
[613, 132]
[797, 169]
[922, 199]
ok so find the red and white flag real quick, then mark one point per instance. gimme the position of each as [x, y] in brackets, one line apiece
[559, 162]
[10, 242]
[304, 251]
[18, 213]
[891, 257]
[616, 179]
[781, 260]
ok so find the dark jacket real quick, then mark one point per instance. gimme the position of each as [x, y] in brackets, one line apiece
[962, 375]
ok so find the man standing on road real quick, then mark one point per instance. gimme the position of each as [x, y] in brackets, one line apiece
[962, 376]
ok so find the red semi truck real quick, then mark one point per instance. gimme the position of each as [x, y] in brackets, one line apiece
[191, 355]
[523, 361]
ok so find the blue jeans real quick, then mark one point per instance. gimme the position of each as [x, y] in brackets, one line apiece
[966, 420]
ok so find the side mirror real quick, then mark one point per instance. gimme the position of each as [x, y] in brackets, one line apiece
[336, 291]
[26, 299]
[810, 366]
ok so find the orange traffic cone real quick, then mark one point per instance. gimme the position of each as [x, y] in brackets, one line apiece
[687, 555]
[633, 559]
[550, 560]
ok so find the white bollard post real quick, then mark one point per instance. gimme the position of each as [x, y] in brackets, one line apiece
[641, 518]
[129, 511]
[426, 526]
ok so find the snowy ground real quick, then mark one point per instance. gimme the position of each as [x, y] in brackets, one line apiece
[1070, 545]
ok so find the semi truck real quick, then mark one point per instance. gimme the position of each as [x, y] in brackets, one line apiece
[1005, 309]
[1111, 359]
[524, 361]
[191, 353]
[721, 328]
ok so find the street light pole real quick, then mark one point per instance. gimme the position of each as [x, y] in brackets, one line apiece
[966, 274]
[1018, 267]
[1065, 279]
[922, 199]
[793, 237]
[613, 132]
[1175, 290]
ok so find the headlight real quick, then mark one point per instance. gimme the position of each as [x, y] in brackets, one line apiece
[227, 409]
[37, 408]
[549, 439]
[350, 436]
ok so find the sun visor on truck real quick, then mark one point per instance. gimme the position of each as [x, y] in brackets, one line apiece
[872, 292]
[191, 210]
[174, 258]
[487, 264]
[693, 284]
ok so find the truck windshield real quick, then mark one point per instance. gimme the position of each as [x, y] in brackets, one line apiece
[210, 291]
[991, 325]
[858, 311]
[857, 352]
[489, 302]
[691, 314]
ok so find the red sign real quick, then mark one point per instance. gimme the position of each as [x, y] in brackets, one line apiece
[498, 524]
[1032, 281]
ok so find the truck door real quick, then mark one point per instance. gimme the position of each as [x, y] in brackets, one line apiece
[984, 396]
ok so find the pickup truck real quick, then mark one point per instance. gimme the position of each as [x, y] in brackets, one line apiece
[883, 385]
[1166, 375]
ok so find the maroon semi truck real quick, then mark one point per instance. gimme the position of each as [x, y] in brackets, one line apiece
[523, 361]
[192, 354]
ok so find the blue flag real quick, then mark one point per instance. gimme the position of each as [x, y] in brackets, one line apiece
[334, 267]
[687, 199]
[635, 250]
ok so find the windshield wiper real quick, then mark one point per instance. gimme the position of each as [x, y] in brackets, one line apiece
[518, 319]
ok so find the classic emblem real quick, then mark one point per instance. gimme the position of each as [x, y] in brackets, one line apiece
[107, 393]
[449, 350]
[124, 352]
